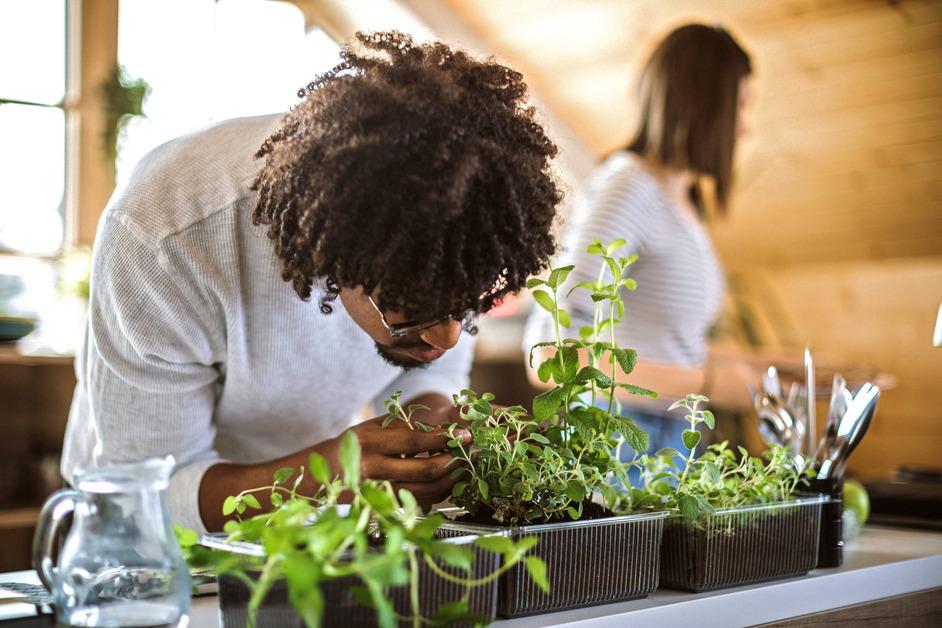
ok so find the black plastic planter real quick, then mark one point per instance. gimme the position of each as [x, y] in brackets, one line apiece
[742, 545]
[341, 609]
[588, 562]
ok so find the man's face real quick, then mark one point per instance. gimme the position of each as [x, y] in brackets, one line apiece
[413, 350]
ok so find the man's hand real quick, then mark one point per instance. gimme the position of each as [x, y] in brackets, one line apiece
[411, 459]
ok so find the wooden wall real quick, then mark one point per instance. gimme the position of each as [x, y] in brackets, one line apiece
[837, 214]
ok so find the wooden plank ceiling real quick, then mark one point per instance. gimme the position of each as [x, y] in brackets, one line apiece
[845, 161]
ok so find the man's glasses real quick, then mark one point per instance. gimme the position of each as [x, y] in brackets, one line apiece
[398, 330]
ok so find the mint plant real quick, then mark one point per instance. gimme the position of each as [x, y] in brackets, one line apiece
[698, 486]
[546, 465]
[381, 541]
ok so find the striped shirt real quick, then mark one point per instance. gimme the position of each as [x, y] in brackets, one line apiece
[196, 347]
[680, 281]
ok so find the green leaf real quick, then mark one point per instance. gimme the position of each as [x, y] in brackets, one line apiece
[483, 488]
[570, 358]
[533, 282]
[545, 404]
[638, 390]
[711, 472]
[389, 419]
[586, 332]
[350, 458]
[596, 248]
[629, 284]
[229, 506]
[667, 452]
[705, 505]
[636, 437]
[185, 536]
[689, 506]
[627, 359]
[690, 438]
[319, 468]
[709, 419]
[575, 491]
[537, 570]
[498, 544]
[564, 318]
[276, 499]
[251, 501]
[558, 276]
[536, 436]
[614, 245]
[545, 371]
[545, 301]
[451, 554]
[283, 474]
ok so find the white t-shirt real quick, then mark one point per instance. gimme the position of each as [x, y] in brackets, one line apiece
[680, 280]
[196, 347]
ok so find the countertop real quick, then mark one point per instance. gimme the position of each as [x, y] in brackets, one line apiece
[880, 563]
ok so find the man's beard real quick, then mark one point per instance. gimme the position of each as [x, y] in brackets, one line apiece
[405, 362]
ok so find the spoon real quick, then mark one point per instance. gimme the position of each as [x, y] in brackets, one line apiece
[836, 410]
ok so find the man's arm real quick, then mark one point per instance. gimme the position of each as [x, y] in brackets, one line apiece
[428, 478]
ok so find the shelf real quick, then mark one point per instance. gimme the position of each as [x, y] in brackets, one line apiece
[19, 517]
[10, 355]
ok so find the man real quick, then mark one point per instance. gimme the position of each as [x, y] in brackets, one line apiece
[408, 192]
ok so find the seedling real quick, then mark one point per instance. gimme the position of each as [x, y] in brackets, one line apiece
[382, 541]
[699, 486]
[547, 464]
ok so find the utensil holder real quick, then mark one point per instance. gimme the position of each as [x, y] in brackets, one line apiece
[831, 544]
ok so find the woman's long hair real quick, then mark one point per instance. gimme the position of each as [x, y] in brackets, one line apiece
[689, 92]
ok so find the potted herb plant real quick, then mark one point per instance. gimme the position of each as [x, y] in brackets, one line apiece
[553, 472]
[739, 520]
[311, 561]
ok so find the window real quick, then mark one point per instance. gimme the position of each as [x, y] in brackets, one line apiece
[33, 126]
[229, 58]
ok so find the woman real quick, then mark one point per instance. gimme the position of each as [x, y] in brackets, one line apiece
[653, 194]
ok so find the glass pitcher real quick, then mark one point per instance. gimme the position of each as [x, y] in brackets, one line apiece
[120, 564]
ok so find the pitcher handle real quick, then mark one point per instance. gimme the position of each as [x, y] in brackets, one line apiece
[58, 507]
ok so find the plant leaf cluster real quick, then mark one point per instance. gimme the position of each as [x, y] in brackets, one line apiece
[381, 542]
[698, 486]
[546, 464]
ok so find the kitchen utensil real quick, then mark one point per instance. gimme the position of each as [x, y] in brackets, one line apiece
[810, 398]
[859, 408]
[776, 424]
[120, 564]
[836, 409]
[860, 428]
[771, 383]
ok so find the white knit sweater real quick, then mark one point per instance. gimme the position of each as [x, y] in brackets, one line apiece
[196, 347]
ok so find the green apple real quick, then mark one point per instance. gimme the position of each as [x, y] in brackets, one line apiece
[857, 500]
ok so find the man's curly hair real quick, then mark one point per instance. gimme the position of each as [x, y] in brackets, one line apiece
[412, 167]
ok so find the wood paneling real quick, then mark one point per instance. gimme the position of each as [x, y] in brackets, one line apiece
[837, 210]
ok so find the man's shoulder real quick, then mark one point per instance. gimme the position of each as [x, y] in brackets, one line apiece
[190, 178]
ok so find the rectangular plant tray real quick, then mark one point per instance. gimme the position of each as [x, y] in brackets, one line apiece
[340, 608]
[588, 562]
[742, 545]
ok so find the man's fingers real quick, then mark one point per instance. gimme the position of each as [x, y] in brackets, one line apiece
[428, 492]
[402, 440]
[396, 469]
